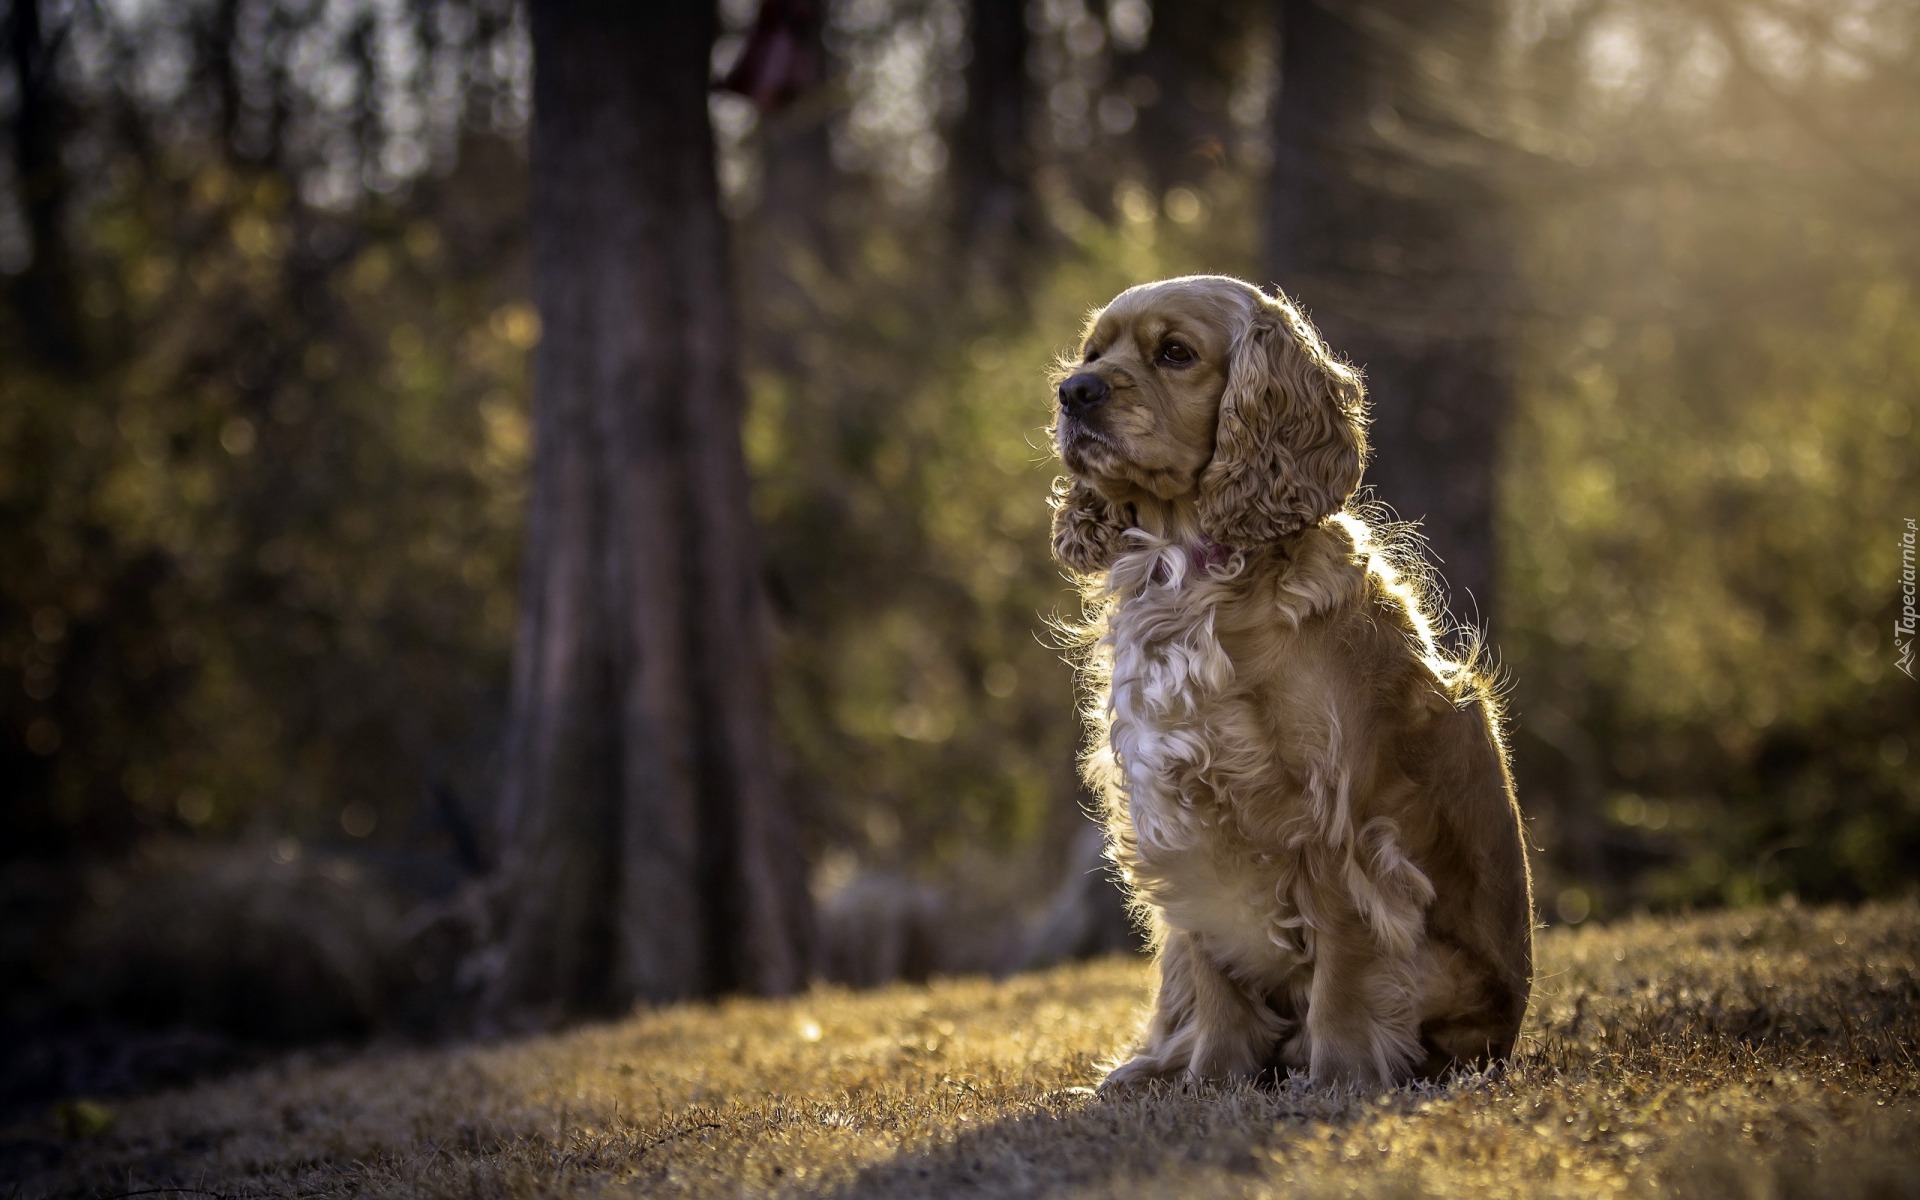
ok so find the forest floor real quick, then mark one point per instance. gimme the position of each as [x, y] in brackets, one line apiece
[1757, 1053]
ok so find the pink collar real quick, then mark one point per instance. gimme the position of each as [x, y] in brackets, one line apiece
[1202, 556]
[1207, 554]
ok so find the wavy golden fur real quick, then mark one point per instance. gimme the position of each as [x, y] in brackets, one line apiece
[1308, 798]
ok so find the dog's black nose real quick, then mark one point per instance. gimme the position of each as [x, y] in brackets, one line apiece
[1083, 393]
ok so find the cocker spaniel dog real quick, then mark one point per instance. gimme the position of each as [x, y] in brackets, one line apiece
[1307, 797]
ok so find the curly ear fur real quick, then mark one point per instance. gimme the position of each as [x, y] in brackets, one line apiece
[1086, 527]
[1291, 439]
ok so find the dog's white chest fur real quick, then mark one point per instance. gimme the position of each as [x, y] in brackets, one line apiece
[1180, 738]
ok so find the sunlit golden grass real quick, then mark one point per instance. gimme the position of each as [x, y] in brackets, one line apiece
[1752, 1053]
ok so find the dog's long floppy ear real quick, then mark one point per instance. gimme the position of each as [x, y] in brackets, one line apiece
[1086, 527]
[1292, 434]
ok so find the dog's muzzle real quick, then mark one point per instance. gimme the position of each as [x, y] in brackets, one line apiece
[1083, 393]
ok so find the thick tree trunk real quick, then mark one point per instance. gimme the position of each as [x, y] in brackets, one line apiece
[995, 217]
[647, 847]
[1194, 53]
[43, 294]
[1384, 222]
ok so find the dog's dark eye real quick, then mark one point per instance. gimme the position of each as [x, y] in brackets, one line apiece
[1092, 354]
[1179, 354]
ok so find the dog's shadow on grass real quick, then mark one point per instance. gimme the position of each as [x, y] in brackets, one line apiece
[1073, 1138]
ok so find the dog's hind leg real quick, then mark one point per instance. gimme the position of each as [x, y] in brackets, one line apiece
[1469, 1014]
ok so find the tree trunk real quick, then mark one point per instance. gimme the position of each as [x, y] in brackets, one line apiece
[1195, 51]
[647, 849]
[1384, 222]
[43, 293]
[995, 218]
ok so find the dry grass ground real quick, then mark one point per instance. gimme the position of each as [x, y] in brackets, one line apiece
[1755, 1053]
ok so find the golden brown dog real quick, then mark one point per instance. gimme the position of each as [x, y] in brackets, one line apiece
[1308, 798]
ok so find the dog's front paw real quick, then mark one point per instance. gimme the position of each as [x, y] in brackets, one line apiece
[1137, 1071]
[1339, 1065]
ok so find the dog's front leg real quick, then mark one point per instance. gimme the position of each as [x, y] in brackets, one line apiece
[1205, 1025]
[1360, 1011]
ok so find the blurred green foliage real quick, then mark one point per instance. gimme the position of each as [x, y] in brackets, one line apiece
[1715, 457]
[260, 555]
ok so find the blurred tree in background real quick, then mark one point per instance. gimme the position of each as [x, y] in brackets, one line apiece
[648, 847]
[1386, 215]
[1634, 282]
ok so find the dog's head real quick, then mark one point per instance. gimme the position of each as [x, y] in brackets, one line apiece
[1203, 391]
